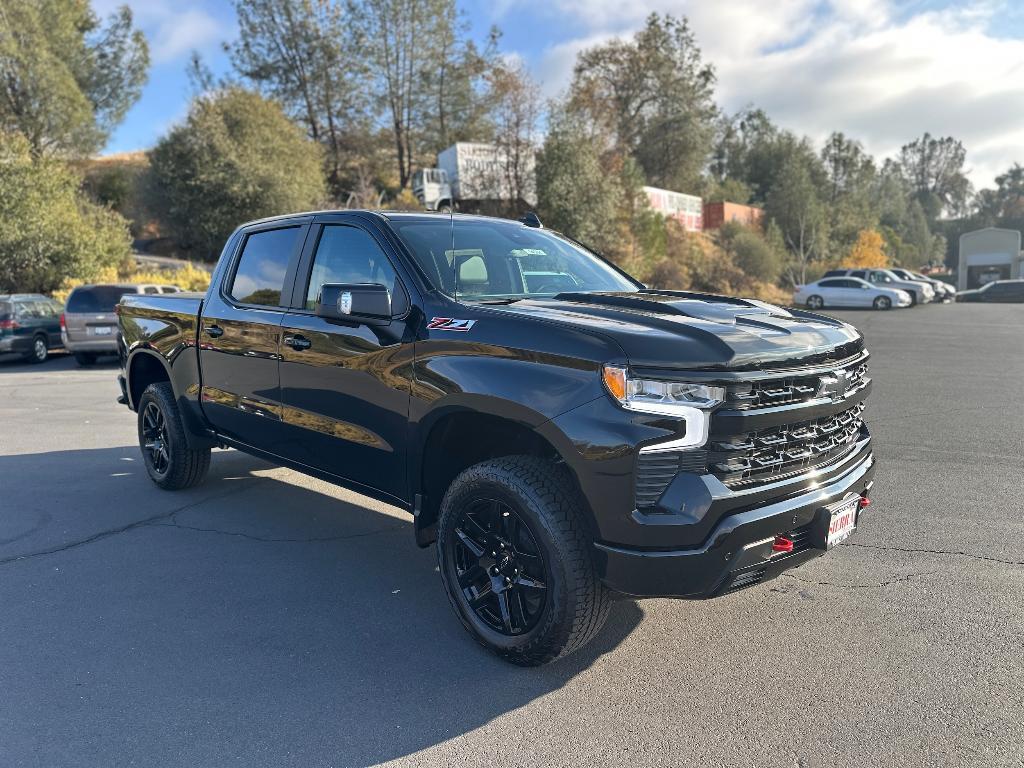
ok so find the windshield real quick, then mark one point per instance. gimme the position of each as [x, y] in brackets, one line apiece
[479, 260]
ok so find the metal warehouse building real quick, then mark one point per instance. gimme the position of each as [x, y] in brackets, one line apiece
[988, 254]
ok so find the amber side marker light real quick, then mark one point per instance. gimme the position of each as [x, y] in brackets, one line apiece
[615, 380]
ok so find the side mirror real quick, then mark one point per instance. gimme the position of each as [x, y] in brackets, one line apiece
[366, 303]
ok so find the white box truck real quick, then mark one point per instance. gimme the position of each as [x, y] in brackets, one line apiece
[472, 176]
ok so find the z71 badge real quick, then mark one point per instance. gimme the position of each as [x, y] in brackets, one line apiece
[449, 324]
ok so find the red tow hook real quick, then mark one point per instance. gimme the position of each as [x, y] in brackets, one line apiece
[864, 501]
[782, 544]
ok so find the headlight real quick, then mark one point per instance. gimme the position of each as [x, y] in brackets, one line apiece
[667, 398]
[687, 402]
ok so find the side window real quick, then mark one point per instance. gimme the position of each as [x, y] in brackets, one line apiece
[259, 277]
[150, 289]
[860, 273]
[830, 283]
[350, 255]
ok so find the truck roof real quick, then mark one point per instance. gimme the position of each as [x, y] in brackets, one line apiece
[381, 213]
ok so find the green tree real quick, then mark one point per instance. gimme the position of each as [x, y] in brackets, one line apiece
[421, 71]
[303, 54]
[934, 169]
[849, 180]
[749, 149]
[653, 96]
[515, 115]
[66, 79]
[236, 157]
[49, 229]
[575, 192]
[795, 205]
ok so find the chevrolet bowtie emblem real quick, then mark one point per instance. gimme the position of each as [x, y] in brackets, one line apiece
[833, 385]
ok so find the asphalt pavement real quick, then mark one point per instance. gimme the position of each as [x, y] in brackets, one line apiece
[269, 619]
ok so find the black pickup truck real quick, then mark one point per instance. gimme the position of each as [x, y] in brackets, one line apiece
[563, 434]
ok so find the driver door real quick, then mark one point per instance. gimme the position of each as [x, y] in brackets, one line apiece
[345, 385]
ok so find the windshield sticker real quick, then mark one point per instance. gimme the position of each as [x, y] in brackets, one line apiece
[449, 324]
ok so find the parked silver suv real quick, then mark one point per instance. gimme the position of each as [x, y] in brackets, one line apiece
[88, 326]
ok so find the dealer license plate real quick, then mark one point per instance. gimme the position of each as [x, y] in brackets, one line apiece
[843, 522]
[102, 330]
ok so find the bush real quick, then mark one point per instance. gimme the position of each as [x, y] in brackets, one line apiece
[756, 257]
[188, 278]
[236, 158]
[49, 229]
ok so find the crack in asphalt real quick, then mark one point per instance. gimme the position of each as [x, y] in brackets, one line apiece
[311, 540]
[936, 552]
[898, 580]
[101, 535]
[158, 521]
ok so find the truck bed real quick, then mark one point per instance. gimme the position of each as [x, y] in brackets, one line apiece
[166, 322]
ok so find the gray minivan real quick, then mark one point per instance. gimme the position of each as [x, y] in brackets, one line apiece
[89, 324]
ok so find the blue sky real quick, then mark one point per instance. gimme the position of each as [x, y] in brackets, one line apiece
[881, 71]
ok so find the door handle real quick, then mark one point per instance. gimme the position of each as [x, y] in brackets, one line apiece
[214, 331]
[298, 342]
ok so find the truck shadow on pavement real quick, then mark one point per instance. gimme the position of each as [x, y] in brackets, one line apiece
[257, 619]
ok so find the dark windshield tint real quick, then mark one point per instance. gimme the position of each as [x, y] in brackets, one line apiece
[504, 259]
[5, 310]
[98, 298]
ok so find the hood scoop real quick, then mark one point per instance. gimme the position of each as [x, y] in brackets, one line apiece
[697, 306]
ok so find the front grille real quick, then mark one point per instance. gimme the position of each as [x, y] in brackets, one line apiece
[798, 388]
[775, 453]
[654, 471]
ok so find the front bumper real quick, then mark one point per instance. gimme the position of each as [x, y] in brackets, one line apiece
[738, 551]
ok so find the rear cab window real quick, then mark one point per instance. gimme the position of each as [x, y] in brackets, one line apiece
[260, 273]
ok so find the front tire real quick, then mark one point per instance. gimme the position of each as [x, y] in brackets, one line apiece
[815, 302]
[882, 303]
[170, 463]
[516, 561]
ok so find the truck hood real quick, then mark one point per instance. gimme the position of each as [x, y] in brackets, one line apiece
[675, 329]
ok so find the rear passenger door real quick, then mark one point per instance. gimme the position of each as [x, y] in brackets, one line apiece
[240, 334]
[345, 385]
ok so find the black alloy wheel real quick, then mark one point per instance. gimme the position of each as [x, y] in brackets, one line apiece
[499, 566]
[516, 559]
[170, 462]
[154, 439]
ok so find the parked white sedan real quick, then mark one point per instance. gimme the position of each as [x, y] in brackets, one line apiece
[849, 292]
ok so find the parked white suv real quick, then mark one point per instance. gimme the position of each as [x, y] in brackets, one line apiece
[920, 292]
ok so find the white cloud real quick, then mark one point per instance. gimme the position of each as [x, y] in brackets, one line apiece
[173, 29]
[877, 73]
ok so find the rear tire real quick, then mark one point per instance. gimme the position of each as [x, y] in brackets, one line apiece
[815, 302]
[85, 359]
[516, 561]
[170, 463]
[40, 350]
[882, 302]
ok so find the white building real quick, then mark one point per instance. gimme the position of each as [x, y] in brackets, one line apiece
[688, 210]
[988, 254]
